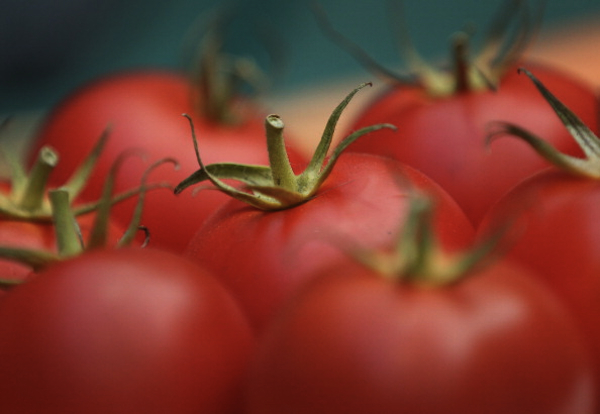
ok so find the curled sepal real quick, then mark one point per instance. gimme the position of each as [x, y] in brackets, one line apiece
[136, 218]
[585, 138]
[277, 186]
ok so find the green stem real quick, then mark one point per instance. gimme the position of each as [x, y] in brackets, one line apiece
[33, 195]
[460, 49]
[281, 170]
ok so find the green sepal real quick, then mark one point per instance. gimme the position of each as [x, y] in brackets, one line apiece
[418, 258]
[509, 34]
[69, 240]
[589, 166]
[277, 187]
[28, 199]
[217, 76]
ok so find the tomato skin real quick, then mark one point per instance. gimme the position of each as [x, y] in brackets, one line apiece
[264, 256]
[353, 342]
[556, 234]
[144, 109]
[445, 137]
[122, 331]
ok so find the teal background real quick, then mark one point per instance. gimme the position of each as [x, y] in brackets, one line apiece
[49, 47]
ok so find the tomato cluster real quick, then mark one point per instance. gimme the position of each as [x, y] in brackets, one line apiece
[430, 268]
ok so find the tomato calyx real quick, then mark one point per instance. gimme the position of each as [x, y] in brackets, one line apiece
[69, 240]
[418, 257]
[479, 71]
[277, 187]
[589, 166]
[218, 77]
[28, 198]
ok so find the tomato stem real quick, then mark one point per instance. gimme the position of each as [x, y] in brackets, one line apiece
[281, 169]
[460, 47]
[34, 191]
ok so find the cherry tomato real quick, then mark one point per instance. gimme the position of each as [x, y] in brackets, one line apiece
[445, 137]
[144, 109]
[351, 341]
[263, 256]
[122, 331]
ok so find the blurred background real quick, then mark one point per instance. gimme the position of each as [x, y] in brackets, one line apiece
[49, 47]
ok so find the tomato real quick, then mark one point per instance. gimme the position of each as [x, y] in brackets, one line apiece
[122, 331]
[554, 217]
[351, 341]
[445, 137]
[556, 234]
[144, 109]
[263, 256]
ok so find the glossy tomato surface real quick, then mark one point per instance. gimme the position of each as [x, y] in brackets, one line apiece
[262, 257]
[556, 233]
[122, 331]
[144, 111]
[445, 137]
[352, 342]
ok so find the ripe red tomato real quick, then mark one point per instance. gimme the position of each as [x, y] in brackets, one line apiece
[144, 109]
[556, 234]
[353, 342]
[445, 137]
[122, 331]
[263, 256]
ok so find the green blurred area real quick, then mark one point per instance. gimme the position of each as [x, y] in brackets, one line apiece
[49, 47]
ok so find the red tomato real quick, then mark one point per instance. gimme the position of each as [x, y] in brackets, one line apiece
[445, 137]
[353, 342]
[122, 331]
[263, 256]
[557, 234]
[144, 109]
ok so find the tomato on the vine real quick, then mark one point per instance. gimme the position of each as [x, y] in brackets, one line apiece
[122, 331]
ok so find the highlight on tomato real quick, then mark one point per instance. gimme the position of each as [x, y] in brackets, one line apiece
[416, 329]
[442, 112]
[267, 241]
[143, 108]
[556, 222]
